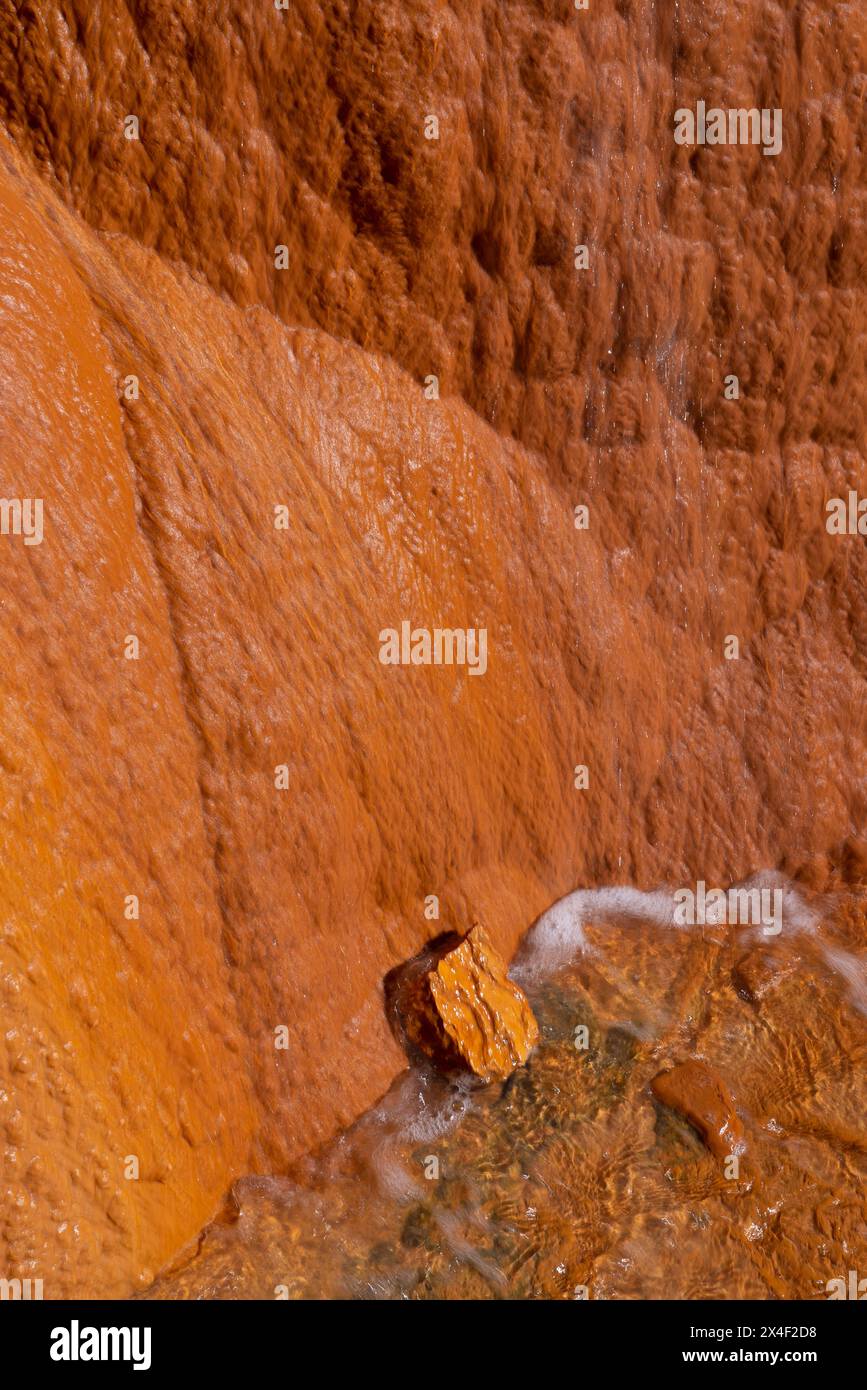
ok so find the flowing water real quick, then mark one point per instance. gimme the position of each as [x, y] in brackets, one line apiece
[570, 1180]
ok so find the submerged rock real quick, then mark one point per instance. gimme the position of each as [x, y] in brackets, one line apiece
[702, 1098]
[761, 970]
[464, 1013]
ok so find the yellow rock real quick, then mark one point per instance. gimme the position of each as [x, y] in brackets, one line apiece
[466, 1013]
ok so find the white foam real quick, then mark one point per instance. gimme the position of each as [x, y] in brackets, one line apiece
[419, 1109]
[854, 972]
[797, 916]
[559, 936]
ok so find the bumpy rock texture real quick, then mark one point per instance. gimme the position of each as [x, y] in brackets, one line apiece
[265, 907]
[465, 1014]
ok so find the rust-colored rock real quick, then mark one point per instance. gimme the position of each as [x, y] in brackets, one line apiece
[702, 1098]
[155, 258]
[465, 1013]
[761, 970]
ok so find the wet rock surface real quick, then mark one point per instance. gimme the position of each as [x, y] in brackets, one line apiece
[696, 1093]
[266, 907]
[463, 1012]
[761, 970]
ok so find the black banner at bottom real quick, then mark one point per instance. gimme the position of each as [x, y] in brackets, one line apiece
[229, 1338]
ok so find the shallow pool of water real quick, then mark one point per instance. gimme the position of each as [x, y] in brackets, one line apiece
[570, 1180]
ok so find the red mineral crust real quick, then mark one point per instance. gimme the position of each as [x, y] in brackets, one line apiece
[280, 803]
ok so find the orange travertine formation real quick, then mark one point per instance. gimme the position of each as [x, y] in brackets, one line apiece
[273, 802]
[470, 1014]
[123, 1078]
